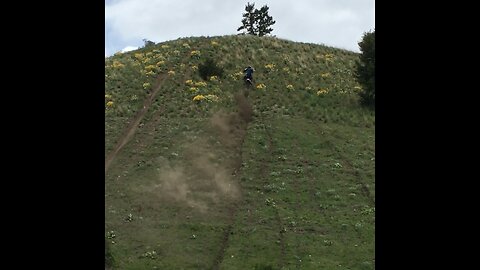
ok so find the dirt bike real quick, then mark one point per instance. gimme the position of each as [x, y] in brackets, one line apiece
[248, 85]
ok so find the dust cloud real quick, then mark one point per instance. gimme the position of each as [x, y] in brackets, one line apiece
[204, 178]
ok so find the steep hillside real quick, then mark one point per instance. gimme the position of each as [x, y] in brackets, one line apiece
[283, 178]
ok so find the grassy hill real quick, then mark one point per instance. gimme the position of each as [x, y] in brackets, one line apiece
[281, 179]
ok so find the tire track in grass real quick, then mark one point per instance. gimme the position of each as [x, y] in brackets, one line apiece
[132, 127]
[363, 187]
[281, 227]
[244, 115]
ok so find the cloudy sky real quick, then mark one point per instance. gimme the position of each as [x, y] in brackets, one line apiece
[337, 23]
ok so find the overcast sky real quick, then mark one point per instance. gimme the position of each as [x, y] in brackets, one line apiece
[337, 23]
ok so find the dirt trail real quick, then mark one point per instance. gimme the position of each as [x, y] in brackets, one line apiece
[132, 127]
[240, 121]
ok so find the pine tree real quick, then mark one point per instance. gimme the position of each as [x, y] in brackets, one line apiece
[366, 69]
[256, 22]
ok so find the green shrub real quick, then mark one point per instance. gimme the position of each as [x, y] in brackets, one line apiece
[210, 68]
[366, 69]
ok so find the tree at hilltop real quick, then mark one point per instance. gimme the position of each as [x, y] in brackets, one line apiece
[256, 21]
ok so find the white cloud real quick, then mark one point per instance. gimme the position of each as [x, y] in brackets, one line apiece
[129, 48]
[338, 23]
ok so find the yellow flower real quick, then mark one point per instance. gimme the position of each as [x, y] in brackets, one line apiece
[110, 103]
[358, 88]
[195, 53]
[329, 57]
[200, 84]
[261, 86]
[150, 73]
[214, 78]
[165, 46]
[149, 54]
[186, 46]
[325, 75]
[290, 87]
[194, 68]
[108, 96]
[150, 67]
[171, 73]
[139, 56]
[117, 64]
[214, 43]
[193, 89]
[211, 97]
[238, 74]
[159, 63]
[146, 85]
[270, 67]
[198, 97]
[322, 92]
[189, 82]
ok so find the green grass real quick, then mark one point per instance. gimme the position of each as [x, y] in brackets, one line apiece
[293, 189]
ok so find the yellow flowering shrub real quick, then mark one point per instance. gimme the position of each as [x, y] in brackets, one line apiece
[261, 86]
[165, 46]
[150, 67]
[322, 92]
[186, 46]
[198, 98]
[214, 78]
[211, 97]
[290, 87]
[329, 57]
[171, 73]
[195, 53]
[200, 84]
[193, 89]
[270, 67]
[159, 63]
[117, 64]
[139, 56]
[214, 43]
[194, 68]
[110, 104]
[146, 85]
[150, 73]
[189, 82]
[325, 75]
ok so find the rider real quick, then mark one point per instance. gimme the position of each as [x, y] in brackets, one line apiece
[248, 73]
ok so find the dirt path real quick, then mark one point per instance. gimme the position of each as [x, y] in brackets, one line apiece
[244, 117]
[132, 127]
